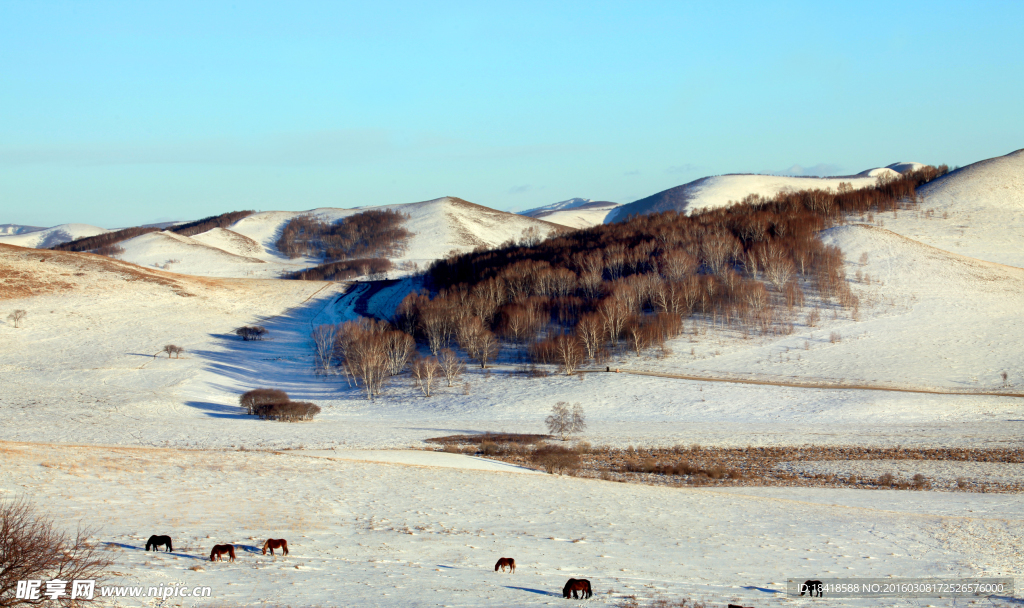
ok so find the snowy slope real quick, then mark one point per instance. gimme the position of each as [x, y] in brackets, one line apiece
[977, 211]
[43, 239]
[910, 333]
[193, 256]
[575, 212]
[721, 190]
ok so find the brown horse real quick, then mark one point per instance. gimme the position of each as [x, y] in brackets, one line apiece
[219, 551]
[275, 543]
[577, 584]
[506, 562]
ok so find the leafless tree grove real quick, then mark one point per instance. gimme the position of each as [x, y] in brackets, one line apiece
[32, 547]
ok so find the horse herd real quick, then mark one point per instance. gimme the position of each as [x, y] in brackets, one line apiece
[219, 551]
[573, 587]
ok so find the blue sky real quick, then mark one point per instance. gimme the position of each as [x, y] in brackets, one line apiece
[120, 113]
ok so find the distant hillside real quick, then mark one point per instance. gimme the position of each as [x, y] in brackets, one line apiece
[50, 237]
[10, 229]
[575, 212]
[720, 190]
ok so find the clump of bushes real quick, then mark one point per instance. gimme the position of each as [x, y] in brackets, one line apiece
[287, 411]
[556, 459]
[273, 404]
[250, 400]
[252, 332]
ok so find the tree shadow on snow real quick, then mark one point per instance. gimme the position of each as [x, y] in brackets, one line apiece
[537, 591]
[218, 410]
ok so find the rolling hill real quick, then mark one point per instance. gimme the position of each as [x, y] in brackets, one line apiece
[721, 190]
[48, 237]
[575, 212]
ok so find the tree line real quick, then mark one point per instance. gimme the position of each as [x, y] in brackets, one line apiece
[575, 296]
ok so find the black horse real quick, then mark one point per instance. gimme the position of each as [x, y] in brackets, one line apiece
[811, 587]
[156, 541]
[577, 584]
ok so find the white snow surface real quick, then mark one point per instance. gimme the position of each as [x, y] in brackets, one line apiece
[48, 237]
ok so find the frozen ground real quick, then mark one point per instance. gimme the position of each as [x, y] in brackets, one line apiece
[372, 534]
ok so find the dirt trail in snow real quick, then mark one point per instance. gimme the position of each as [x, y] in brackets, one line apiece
[809, 384]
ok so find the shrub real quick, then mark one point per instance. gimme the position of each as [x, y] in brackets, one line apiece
[287, 411]
[252, 332]
[565, 422]
[261, 396]
[556, 459]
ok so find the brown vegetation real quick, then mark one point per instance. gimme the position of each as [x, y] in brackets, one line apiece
[370, 234]
[250, 400]
[287, 411]
[343, 271]
[251, 333]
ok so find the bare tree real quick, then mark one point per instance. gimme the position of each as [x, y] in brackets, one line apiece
[590, 330]
[426, 371]
[564, 421]
[398, 347]
[323, 337]
[569, 352]
[171, 349]
[32, 548]
[17, 316]
[252, 400]
[451, 365]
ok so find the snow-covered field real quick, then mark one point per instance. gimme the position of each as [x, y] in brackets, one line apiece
[48, 237]
[373, 534]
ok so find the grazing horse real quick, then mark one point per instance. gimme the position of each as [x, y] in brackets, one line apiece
[219, 551]
[811, 587]
[577, 584]
[506, 562]
[275, 543]
[157, 541]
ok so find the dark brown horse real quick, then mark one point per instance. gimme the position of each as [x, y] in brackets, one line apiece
[506, 562]
[811, 587]
[157, 541]
[275, 543]
[577, 584]
[219, 551]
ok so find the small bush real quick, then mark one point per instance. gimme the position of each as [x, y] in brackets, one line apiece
[835, 338]
[252, 332]
[261, 396]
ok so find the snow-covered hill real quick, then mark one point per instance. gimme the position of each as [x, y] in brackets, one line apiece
[721, 190]
[977, 211]
[575, 212]
[48, 237]
[11, 229]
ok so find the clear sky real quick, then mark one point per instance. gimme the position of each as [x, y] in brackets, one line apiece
[121, 113]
